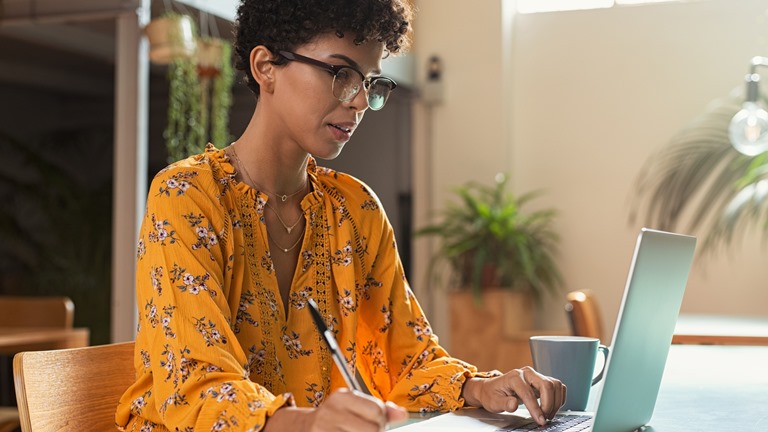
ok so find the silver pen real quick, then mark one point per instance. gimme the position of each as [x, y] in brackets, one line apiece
[338, 358]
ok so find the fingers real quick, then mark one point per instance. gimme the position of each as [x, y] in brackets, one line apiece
[500, 394]
[346, 410]
[542, 396]
[395, 413]
[529, 393]
[551, 394]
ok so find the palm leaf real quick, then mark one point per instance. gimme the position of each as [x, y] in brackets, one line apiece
[700, 182]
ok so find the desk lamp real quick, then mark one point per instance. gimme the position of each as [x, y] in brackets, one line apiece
[748, 130]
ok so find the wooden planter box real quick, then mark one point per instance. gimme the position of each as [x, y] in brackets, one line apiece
[478, 330]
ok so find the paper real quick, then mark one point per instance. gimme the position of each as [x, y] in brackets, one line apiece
[468, 420]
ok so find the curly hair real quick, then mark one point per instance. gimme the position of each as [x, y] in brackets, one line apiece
[287, 24]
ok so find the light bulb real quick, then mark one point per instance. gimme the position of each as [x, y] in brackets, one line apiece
[748, 131]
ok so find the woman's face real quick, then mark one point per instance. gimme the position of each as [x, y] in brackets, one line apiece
[314, 119]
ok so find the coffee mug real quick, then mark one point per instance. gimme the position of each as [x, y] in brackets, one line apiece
[571, 359]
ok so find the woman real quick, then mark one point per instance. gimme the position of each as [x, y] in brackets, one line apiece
[235, 242]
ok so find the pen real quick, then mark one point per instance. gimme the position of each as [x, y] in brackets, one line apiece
[334, 347]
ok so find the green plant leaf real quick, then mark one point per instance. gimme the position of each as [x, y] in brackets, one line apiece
[487, 239]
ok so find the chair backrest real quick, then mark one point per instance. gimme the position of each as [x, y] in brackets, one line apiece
[75, 389]
[43, 311]
[584, 314]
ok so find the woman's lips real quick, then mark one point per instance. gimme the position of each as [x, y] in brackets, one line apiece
[341, 131]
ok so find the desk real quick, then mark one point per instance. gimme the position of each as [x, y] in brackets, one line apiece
[721, 330]
[711, 388]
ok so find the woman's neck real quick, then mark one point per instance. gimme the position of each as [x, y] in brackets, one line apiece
[269, 160]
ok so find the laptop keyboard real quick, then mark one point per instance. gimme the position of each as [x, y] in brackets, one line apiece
[561, 423]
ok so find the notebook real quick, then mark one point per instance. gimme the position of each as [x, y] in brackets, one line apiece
[652, 297]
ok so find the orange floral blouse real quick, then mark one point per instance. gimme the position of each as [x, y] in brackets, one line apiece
[215, 350]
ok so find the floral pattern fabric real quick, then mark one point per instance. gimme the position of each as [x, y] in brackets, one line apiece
[215, 350]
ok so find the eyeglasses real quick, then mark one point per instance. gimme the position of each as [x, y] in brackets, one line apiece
[348, 81]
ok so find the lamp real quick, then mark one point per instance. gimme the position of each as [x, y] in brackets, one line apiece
[748, 130]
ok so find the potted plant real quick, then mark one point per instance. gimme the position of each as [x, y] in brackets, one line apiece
[502, 261]
[214, 67]
[199, 99]
[200, 81]
[185, 132]
[171, 36]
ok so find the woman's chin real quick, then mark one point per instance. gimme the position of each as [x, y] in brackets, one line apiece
[329, 155]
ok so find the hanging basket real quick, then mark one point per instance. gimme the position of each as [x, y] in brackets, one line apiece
[171, 38]
[210, 55]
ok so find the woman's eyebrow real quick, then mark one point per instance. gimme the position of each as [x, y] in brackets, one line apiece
[353, 63]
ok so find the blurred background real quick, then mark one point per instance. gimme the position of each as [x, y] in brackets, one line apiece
[572, 103]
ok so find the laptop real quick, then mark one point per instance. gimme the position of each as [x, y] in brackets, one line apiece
[642, 337]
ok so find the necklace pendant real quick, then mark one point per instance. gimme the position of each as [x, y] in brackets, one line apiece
[285, 250]
[283, 198]
[289, 229]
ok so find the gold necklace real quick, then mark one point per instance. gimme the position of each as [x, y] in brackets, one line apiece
[286, 250]
[283, 197]
[288, 228]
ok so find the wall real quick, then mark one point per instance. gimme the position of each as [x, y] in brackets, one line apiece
[462, 137]
[592, 94]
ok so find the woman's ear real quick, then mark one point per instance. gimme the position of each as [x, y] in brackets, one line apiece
[262, 68]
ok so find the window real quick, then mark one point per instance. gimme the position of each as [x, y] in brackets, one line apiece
[532, 6]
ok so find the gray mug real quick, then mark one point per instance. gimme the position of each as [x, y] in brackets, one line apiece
[571, 359]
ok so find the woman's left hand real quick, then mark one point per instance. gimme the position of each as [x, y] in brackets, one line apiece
[542, 395]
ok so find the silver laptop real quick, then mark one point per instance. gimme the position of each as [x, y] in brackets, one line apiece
[643, 333]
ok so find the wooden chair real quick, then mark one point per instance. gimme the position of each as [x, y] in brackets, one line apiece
[584, 314]
[73, 389]
[27, 311]
[44, 311]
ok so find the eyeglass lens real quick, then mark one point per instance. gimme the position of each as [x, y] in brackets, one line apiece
[347, 83]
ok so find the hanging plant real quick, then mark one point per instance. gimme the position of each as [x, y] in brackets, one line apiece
[171, 37]
[173, 42]
[200, 84]
[214, 67]
[185, 133]
[219, 70]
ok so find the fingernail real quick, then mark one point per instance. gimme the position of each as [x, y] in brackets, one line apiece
[540, 419]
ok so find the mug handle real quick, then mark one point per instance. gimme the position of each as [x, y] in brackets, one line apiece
[605, 351]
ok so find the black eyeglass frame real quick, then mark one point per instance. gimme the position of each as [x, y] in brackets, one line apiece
[335, 69]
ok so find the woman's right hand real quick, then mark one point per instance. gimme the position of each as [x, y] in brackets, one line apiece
[344, 410]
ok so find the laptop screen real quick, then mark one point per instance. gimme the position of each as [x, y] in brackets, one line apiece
[644, 327]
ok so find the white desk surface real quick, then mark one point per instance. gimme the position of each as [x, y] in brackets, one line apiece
[708, 388]
[722, 325]
[721, 330]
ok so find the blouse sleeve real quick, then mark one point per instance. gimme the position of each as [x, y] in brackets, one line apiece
[402, 360]
[198, 371]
